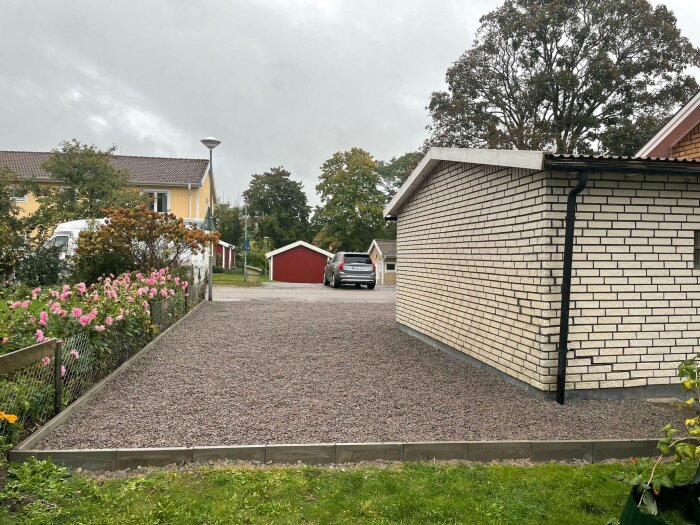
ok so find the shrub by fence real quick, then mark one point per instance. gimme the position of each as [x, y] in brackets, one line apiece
[39, 381]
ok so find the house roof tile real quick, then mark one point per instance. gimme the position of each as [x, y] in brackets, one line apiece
[143, 170]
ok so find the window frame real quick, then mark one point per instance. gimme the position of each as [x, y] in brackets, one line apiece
[155, 193]
[390, 269]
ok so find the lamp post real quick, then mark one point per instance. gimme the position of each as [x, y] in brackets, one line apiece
[211, 143]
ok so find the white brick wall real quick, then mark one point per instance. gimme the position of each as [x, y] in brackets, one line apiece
[480, 250]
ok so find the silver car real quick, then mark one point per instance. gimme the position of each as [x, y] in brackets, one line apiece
[350, 268]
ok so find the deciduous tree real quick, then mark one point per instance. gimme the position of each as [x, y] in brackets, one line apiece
[87, 184]
[566, 75]
[350, 215]
[11, 226]
[393, 173]
[278, 207]
[137, 239]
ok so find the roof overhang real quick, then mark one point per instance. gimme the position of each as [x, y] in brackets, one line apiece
[661, 145]
[511, 158]
[374, 243]
[538, 161]
[295, 245]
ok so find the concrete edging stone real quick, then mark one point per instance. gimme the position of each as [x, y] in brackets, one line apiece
[338, 453]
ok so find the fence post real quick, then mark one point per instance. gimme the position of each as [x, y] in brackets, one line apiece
[57, 378]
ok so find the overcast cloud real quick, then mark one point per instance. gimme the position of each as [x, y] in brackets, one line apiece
[280, 82]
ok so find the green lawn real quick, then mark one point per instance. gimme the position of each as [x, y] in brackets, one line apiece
[235, 278]
[407, 494]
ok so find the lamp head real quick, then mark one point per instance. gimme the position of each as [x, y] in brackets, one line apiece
[210, 142]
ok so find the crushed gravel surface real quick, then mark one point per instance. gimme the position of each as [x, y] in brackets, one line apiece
[305, 372]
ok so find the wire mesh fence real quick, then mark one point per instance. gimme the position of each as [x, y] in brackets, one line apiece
[38, 382]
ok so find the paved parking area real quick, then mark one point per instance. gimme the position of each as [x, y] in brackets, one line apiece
[305, 292]
[292, 369]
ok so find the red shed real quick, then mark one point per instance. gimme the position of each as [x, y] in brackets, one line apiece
[299, 262]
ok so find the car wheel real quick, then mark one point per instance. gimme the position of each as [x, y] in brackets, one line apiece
[326, 282]
[371, 286]
[336, 282]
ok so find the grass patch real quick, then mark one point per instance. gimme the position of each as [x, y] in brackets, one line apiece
[231, 278]
[38, 492]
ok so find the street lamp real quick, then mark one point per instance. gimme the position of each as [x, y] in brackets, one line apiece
[211, 143]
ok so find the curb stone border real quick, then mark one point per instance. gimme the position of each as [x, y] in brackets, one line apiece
[338, 453]
[55, 421]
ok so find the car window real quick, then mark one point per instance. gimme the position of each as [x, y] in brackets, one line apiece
[61, 242]
[357, 258]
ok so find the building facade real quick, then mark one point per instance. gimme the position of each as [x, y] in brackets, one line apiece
[481, 242]
[180, 186]
[383, 255]
[298, 262]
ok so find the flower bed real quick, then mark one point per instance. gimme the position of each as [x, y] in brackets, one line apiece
[101, 326]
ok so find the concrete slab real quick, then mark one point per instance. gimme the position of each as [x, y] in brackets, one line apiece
[320, 454]
[354, 452]
[486, 451]
[239, 453]
[305, 293]
[152, 457]
[439, 450]
[562, 451]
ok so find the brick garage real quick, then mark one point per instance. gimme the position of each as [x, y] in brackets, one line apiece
[480, 245]
[299, 262]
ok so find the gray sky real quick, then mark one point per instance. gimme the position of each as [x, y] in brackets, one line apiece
[280, 82]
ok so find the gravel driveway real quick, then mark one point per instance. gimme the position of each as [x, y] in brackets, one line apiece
[251, 372]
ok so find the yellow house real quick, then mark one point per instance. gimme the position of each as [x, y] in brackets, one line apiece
[180, 186]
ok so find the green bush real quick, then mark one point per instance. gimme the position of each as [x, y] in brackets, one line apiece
[41, 268]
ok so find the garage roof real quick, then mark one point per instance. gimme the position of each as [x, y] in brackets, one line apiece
[296, 244]
[536, 160]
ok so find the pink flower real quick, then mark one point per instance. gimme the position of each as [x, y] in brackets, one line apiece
[109, 320]
[15, 305]
[164, 292]
[74, 354]
[99, 279]
[46, 361]
[120, 317]
[177, 280]
[25, 304]
[76, 312]
[63, 370]
[100, 328]
[139, 275]
[5, 340]
[43, 316]
[184, 285]
[39, 336]
[35, 292]
[172, 292]
[82, 288]
[85, 320]
[130, 299]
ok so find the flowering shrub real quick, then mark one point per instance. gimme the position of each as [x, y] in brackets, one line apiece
[112, 303]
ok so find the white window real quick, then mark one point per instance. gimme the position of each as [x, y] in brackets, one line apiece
[159, 200]
[19, 195]
[390, 267]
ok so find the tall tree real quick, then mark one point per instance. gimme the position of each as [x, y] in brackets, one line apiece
[350, 215]
[279, 207]
[229, 222]
[11, 225]
[393, 173]
[88, 183]
[566, 75]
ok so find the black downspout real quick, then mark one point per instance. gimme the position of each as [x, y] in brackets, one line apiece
[562, 348]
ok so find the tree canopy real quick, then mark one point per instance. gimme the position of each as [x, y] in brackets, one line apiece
[278, 207]
[11, 225]
[87, 184]
[566, 75]
[229, 219]
[350, 215]
[393, 173]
